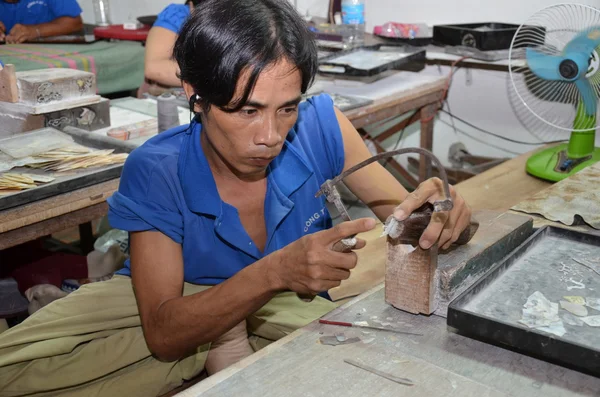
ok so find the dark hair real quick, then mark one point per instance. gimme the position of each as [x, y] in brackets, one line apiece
[222, 38]
[194, 2]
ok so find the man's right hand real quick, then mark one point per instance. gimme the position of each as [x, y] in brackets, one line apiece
[2, 31]
[310, 265]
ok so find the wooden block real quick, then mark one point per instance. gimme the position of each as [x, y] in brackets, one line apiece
[48, 107]
[12, 123]
[419, 281]
[8, 84]
[410, 278]
[40, 87]
[90, 118]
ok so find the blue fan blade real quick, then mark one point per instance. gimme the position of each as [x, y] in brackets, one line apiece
[542, 65]
[581, 47]
[590, 101]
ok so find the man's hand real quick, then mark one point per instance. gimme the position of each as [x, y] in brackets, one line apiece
[445, 227]
[2, 31]
[310, 265]
[21, 33]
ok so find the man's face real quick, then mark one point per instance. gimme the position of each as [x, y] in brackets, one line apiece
[246, 141]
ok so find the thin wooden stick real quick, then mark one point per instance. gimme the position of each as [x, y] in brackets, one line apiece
[586, 265]
[402, 381]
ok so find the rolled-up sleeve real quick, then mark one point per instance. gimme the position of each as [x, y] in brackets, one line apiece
[173, 17]
[65, 8]
[147, 199]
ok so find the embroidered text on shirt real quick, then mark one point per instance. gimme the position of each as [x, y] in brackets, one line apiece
[315, 217]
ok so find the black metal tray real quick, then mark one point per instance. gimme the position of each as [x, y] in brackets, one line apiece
[491, 308]
[484, 36]
[72, 181]
[337, 63]
[415, 42]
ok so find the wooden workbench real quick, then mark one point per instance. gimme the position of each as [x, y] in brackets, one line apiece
[441, 362]
[29, 222]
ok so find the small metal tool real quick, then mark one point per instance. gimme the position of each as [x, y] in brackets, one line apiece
[402, 381]
[345, 324]
[409, 230]
[332, 195]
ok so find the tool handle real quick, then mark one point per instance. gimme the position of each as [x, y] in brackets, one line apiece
[329, 322]
[344, 245]
[409, 231]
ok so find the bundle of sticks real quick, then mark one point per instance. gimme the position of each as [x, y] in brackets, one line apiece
[75, 157]
[13, 182]
[68, 158]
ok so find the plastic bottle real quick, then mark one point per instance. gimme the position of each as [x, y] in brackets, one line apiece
[353, 19]
[102, 12]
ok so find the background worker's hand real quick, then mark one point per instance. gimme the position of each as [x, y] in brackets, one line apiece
[2, 31]
[444, 227]
[310, 265]
[21, 33]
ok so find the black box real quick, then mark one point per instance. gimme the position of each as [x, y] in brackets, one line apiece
[484, 36]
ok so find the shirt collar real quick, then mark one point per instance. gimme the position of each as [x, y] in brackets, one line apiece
[288, 171]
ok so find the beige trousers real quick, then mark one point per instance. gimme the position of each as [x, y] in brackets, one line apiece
[90, 343]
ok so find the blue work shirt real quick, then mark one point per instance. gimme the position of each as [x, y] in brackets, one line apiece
[167, 186]
[35, 12]
[173, 17]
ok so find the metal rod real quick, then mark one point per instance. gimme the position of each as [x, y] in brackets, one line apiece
[345, 324]
[402, 381]
[427, 153]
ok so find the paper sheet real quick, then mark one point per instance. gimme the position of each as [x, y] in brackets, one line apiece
[562, 202]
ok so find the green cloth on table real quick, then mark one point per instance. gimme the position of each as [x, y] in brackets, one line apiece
[118, 65]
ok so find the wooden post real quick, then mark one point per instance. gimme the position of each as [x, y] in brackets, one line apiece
[9, 92]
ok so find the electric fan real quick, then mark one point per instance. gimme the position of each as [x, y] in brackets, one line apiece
[554, 69]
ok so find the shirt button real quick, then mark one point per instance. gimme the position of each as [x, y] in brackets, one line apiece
[250, 243]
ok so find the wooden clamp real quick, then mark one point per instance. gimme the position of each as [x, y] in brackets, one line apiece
[9, 92]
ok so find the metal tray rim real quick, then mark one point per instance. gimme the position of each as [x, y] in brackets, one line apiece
[457, 314]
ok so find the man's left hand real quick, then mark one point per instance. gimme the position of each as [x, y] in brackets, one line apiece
[21, 33]
[444, 227]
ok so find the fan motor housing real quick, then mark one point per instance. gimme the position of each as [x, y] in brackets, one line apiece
[568, 69]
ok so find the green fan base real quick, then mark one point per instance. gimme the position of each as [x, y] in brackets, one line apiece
[544, 164]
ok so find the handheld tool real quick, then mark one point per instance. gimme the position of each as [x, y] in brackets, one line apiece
[409, 230]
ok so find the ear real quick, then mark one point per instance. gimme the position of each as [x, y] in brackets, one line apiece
[192, 97]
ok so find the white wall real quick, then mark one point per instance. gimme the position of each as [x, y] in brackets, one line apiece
[124, 10]
[435, 12]
[378, 11]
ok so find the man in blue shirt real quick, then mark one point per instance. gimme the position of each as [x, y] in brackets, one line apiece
[225, 229]
[24, 20]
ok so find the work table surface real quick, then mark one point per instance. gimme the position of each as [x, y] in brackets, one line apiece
[440, 363]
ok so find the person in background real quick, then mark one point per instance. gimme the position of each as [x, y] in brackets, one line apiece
[27, 20]
[160, 70]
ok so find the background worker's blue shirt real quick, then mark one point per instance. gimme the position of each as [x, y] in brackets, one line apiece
[173, 17]
[34, 12]
[167, 186]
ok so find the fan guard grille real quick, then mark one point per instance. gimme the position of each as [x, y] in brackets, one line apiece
[549, 30]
